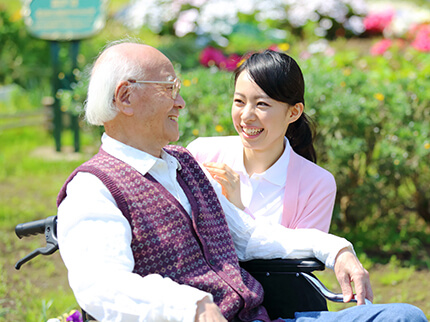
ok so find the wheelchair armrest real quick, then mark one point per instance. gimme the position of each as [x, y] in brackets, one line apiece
[278, 265]
[301, 267]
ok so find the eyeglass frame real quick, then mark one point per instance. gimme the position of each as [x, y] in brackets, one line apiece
[175, 82]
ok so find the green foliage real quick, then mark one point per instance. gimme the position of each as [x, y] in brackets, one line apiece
[24, 60]
[208, 95]
[183, 51]
[246, 36]
[373, 116]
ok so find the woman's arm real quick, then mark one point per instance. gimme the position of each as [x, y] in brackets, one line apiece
[317, 211]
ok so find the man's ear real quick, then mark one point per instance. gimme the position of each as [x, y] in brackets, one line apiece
[296, 111]
[122, 98]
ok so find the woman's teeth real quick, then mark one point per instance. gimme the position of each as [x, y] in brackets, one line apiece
[251, 132]
[174, 118]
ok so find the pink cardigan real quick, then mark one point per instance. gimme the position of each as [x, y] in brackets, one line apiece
[309, 199]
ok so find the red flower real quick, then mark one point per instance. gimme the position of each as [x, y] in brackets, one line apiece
[376, 22]
[232, 61]
[211, 56]
[381, 47]
[274, 47]
[422, 38]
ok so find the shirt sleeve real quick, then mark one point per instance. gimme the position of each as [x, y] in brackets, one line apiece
[259, 238]
[95, 244]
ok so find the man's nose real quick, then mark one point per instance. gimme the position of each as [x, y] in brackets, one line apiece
[179, 101]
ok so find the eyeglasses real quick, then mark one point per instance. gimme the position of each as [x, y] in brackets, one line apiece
[175, 89]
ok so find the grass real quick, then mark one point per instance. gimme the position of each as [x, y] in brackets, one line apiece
[31, 174]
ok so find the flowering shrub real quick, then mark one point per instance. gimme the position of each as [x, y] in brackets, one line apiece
[377, 22]
[394, 19]
[211, 56]
[398, 24]
[381, 47]
[216, 19]
[373, 122]
[418, 38]
[421, 35]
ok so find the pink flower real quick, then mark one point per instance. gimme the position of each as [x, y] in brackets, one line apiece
[232, 61]
[376, 22]
[211, 56]
[422, 38]
[305, 55]
[274, 47]
[381, 47]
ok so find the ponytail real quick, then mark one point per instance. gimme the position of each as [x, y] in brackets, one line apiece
[300, 134]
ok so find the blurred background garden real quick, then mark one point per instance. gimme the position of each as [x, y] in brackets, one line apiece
[367, 70]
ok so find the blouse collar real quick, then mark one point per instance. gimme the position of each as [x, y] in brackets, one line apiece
[276, 174]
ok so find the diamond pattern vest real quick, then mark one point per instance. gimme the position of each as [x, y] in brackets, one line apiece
[195, 251]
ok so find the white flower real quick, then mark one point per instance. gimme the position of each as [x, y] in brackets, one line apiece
[318, 46]
[355, 24]
[186, 22]
[216, 18]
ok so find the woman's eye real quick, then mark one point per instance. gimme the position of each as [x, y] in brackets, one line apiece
[262, 104]
[238, 101]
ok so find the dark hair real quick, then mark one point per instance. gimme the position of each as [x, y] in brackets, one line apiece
[280, 77]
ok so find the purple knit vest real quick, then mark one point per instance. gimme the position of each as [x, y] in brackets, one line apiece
[195, 251]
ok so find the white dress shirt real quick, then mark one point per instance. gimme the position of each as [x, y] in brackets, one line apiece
[95, 238]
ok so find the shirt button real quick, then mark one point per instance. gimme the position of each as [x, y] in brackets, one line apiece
[240, 289]
[212, 262]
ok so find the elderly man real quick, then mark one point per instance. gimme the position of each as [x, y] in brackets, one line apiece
[142, 231]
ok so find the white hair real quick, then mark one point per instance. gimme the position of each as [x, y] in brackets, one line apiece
[106, 73]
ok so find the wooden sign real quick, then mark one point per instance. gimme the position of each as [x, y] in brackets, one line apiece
[64, 19]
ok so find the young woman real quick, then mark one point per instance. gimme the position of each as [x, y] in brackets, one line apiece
[270, 169]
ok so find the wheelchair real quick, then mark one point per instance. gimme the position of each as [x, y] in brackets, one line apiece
[289, 285]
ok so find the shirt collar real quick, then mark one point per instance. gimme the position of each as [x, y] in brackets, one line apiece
[276, 174]
[140, 160]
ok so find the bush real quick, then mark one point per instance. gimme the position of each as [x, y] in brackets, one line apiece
[25, 60]
[373, 115]
[208, 94]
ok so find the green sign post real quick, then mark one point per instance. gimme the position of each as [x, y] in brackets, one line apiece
[64, 22]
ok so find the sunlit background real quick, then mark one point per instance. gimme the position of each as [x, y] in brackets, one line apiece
[366, 66]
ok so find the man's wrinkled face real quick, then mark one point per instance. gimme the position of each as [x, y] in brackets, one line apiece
[156, 113]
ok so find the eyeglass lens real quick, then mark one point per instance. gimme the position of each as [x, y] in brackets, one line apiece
[176, 88]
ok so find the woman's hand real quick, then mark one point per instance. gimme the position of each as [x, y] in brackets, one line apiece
[228, 179]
